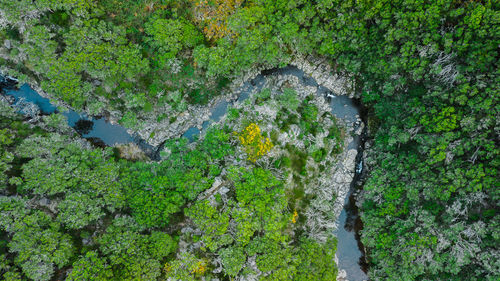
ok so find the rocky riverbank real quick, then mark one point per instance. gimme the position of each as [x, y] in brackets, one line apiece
[156, 132]
[313, 79]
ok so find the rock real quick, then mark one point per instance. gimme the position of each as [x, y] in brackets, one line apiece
[8, 99]
[223, 190]
[45, 202]
[350, 159]
[342, 275]
[87, 241]
[217, 183]
[360, 128]
[7, 44]
[27, 108]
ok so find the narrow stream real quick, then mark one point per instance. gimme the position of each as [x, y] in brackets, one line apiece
[101, 132]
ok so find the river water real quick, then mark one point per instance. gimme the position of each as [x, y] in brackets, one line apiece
[100, 131]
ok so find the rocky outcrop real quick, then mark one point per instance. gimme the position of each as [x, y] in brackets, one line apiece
[340, 84]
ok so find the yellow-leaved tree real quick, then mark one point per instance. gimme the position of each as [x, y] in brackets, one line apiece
[255, 144]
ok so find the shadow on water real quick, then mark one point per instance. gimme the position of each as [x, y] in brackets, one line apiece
[83, 127]
[350, 250]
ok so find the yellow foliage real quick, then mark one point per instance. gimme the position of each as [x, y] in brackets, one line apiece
[214, 14]
[253, 141]
[295, 216]
[200, 268]
[167, 267]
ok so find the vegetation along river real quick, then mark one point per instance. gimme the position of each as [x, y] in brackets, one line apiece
[101, 132]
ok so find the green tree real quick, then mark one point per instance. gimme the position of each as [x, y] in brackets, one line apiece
[91, 267]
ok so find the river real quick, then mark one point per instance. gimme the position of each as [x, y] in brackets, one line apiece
[100, 131]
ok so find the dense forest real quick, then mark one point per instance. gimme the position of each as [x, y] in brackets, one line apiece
[427, 76]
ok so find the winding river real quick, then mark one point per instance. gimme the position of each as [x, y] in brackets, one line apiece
[101, 132]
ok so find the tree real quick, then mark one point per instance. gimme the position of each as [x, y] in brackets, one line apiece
[40, 246]
[133, 255]
[214, 16]
[213, 223]
[254, 143]
[186, 267]
[91, 267]
[78, 210]
[170, 36]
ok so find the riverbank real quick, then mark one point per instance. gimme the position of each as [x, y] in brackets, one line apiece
[332, 87]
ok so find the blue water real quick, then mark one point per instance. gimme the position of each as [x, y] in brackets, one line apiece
[30, 95]
[344, 108]
[192, 133]
[110, 134]
[217, 112]
[348, 250]
[221, 108]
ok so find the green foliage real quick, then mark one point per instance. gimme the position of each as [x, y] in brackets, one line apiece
[310, 113]
[289, 99]
[428, 74]
[213, 223]
[186, 267]
[170, 36]
[12, 131]
[7, 271]
[315, 260]
[88, 177]
[132, 255]
[40, 246]
[233, 259]
[129, 120]
[216, 144]
[276, 259]
[445, 121]
[78, 210]
[258, 213]
[156, 191]
[91, 267]
[263, 95]
[429, 133]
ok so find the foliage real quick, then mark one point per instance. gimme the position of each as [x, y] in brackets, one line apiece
[315, 260]
[170, 36]
[38, 242]
[289, 99]
[91, 267]
[233, 259]
[251, 223]
[427, 72]
[155, 191]
[213, 15]
[186, 267]
[132, 255]
[255, 144]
